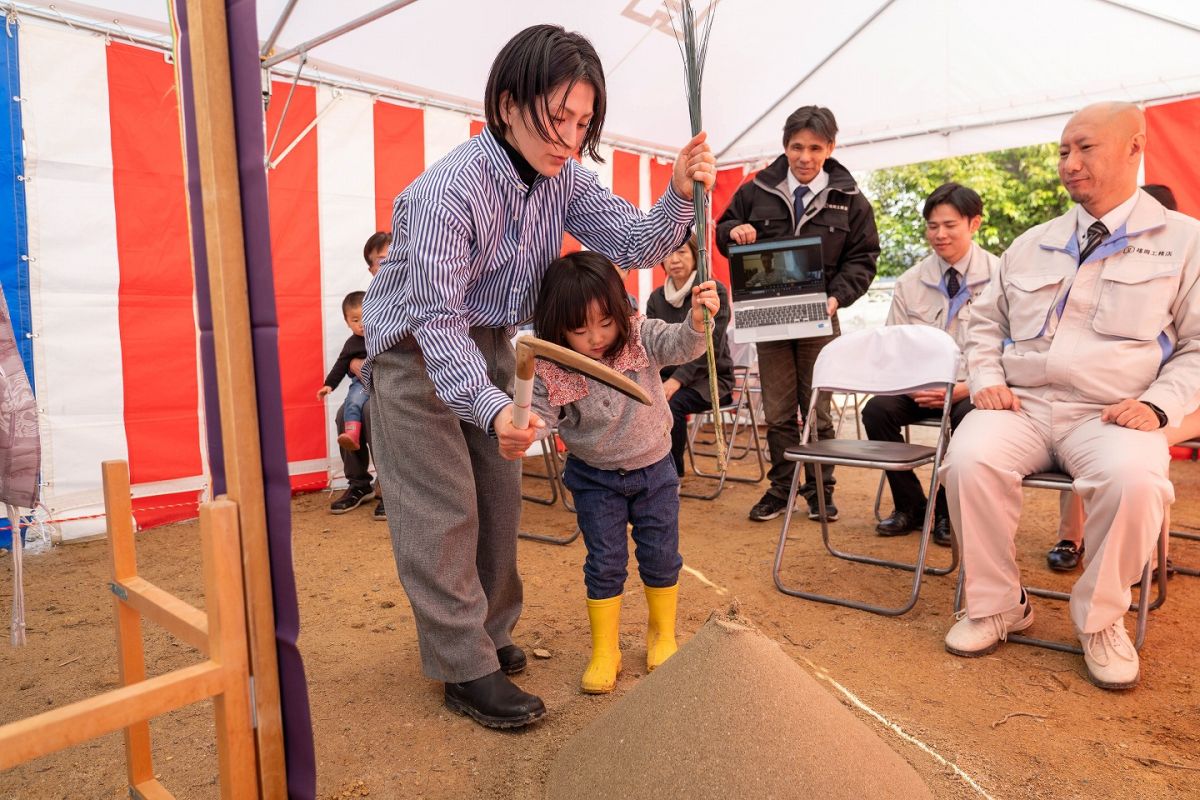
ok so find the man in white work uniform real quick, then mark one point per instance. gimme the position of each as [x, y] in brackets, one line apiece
[1085, 346]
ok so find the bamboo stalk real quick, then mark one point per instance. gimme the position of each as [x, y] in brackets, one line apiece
[693, 64]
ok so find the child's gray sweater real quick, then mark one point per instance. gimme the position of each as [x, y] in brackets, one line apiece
[608, 430]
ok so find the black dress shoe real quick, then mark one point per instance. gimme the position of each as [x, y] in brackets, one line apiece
[898, 524]
[512, 659]
[494, 702]
[942, 532]
[1064, 556]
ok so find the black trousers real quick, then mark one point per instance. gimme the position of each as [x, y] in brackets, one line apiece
[356, 464]
[884, 417]
[686, 401]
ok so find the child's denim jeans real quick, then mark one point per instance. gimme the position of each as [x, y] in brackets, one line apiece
[605, 501]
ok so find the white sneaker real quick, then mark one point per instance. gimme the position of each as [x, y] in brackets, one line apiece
[1111, 659]
[978, 637]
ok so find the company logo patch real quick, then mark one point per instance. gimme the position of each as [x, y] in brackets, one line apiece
[1142, 251]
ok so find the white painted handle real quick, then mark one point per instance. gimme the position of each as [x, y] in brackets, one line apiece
[522, 397]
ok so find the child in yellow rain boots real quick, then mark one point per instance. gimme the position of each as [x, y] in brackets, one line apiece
[619, 469]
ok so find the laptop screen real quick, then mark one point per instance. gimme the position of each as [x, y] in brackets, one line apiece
[777, 268]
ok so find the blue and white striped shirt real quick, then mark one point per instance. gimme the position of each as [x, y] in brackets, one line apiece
[470, 244]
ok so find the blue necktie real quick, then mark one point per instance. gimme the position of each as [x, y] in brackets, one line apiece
[799, 194]
[952, 283]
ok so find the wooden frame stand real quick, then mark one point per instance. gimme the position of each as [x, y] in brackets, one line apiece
[219, 632]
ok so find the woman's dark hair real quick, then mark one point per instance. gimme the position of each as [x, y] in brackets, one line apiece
[531, 66]
[817, 119]
[965, 201]
[376, 240]
[568, 289]
[352, 302]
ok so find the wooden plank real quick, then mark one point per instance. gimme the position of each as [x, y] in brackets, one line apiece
[63, 727]
[223, 582]
[150, 789]
[177, 616]
[212, 89]
[131, 658]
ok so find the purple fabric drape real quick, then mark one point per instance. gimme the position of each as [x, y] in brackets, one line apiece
[242, 31]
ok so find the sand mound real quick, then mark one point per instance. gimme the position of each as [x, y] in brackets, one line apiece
[729, 716]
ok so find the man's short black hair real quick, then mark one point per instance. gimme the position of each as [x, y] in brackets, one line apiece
[375, 241]
[963, 200]
[817, 119]
[352, 302]
[1162, 194]
[531, 66]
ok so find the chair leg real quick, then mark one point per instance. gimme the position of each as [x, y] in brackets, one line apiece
[548, 476]
[561, 540]
[918, 568]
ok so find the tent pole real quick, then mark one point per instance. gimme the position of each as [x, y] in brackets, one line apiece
[215, 137]
[269, 44]
[353, 24]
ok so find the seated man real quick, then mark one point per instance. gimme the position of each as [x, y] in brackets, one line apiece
[1086, 345]
[938, 291]
[1066, 555]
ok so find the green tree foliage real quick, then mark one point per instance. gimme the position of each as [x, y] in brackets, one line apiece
[1019, 187]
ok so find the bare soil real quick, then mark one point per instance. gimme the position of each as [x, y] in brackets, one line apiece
[1021, 723]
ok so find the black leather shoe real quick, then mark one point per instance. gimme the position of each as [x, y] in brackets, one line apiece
[512, 659]
[898, 524]
[380, 514]
[494, 702]
[1064, 556]
[942, 532]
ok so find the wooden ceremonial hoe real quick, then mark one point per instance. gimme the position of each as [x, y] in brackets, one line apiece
[530, 348]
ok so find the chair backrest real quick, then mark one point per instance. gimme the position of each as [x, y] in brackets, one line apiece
[892, 359]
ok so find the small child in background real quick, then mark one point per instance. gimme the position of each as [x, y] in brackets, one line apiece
[619, 468]
[355, 347]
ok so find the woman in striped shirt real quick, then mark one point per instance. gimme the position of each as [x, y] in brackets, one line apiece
[472, 238]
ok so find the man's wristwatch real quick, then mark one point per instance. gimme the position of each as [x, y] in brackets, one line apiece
[1158, 412]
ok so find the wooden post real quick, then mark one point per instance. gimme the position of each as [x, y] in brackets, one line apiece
[132, 660]
[208, 38]
[227, 646]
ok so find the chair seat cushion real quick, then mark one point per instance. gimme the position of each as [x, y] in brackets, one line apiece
[1059, 478]
[859, 450]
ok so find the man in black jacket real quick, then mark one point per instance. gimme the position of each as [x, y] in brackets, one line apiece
[804, 192]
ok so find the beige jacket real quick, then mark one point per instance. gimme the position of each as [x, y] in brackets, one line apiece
[919, 297]
[1129, 327]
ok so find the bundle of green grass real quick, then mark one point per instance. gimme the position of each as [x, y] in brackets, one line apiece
[730, 716]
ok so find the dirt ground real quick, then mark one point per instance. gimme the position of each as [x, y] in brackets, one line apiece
[1022, 723]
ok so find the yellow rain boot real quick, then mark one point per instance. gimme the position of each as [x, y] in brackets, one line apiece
[605, 618]
[660, 631]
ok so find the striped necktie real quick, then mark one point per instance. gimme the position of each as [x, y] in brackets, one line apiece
[1095, 235]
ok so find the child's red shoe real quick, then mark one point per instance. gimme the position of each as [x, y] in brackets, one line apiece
[348, 439]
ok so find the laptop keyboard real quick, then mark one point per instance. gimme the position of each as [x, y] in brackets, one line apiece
[780, 315]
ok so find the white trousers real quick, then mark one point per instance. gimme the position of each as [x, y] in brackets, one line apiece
[1120, 474]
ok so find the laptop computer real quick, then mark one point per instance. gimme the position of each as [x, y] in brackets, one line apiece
[778, 290]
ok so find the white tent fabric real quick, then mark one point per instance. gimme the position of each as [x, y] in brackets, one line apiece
[909, 80]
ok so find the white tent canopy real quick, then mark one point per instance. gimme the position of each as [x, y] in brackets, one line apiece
[909, 80]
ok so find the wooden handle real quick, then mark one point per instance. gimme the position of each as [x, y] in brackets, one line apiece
[523, 388]
[522, 397]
